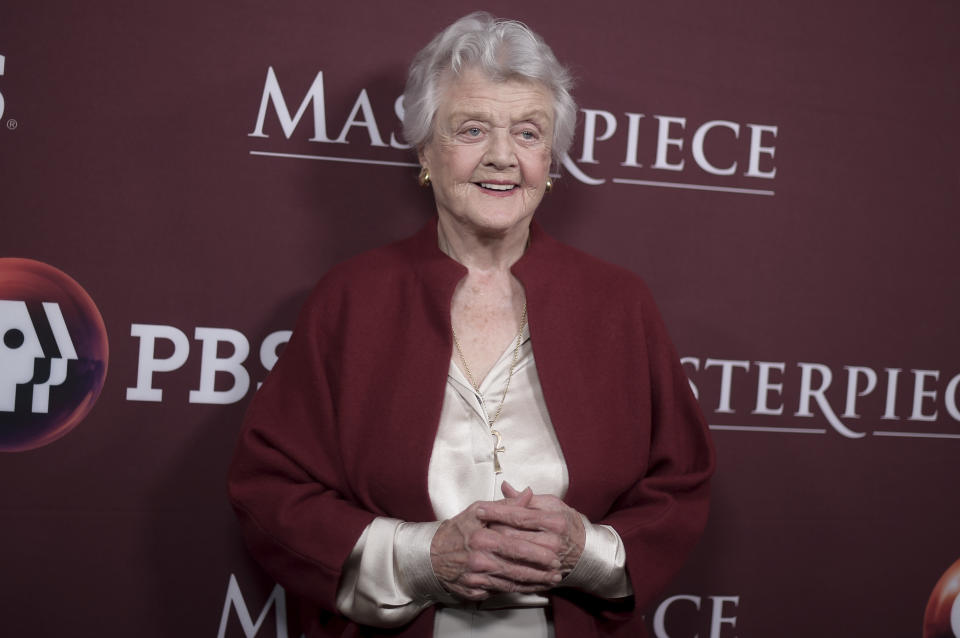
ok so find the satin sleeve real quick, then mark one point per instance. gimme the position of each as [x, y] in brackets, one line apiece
[602, 568]
[388, 578]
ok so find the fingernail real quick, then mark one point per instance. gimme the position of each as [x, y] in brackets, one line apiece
[557, 578]
[481, 511]
[556, 564]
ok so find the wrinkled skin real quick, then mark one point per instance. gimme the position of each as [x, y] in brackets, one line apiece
[524, 543]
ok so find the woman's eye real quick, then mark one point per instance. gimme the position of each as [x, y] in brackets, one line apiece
[528, 135]
[474, 131]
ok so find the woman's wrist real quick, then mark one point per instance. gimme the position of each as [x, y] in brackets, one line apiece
[412, 555]
[601, 569]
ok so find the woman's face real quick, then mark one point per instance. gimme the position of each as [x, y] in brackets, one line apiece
[489, 155]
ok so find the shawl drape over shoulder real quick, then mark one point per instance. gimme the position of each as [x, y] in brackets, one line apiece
[342, 429]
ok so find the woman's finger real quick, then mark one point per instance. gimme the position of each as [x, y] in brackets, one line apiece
[517, 498]
[482, 565]
[514, 549]
[522, 517]
[511, 492]
[496, 584]
[548, 540]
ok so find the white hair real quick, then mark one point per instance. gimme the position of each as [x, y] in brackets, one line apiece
[502, 49]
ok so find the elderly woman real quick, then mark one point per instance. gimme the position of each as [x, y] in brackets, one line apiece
[476, 431]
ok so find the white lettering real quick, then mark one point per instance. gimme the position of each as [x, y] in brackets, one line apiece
[633, 134]
[919, 393]
[148, 363]
[574, 170]
[698, 138]
[695, 362]
[268, 349]
[589, 132]
[891, 404]
[807, 392]
[853, 372]
[398, 109]
[664, 141]
[272, 94]
[764, 387]
[234, 599]
[756, 135]
[210, 364]
[659, 618]
[598, 126]
[368, 122]
[726, 379]
[950, 398]
[717, 619]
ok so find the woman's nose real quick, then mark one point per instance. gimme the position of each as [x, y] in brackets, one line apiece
[500, 152]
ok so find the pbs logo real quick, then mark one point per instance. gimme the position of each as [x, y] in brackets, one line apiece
[53, 354]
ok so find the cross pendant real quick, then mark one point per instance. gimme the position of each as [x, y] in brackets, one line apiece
[497, 448]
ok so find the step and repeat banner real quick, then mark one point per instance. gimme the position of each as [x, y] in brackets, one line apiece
[175, 176]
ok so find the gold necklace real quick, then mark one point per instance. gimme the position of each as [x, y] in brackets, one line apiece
[498, 444]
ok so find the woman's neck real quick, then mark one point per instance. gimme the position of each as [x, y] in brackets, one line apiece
[478, 253]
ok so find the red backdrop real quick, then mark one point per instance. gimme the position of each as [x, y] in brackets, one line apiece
[784, 177]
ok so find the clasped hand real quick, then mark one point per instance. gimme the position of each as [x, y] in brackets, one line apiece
[524, 543]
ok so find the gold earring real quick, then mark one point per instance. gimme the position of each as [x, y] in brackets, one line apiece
[424, 178]
[549, 186]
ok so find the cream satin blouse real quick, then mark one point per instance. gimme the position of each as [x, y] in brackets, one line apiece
[388, 578]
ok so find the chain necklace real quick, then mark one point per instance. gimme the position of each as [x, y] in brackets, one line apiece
[498, 444]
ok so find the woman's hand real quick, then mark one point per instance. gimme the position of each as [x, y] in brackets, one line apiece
[472, 560]
[544, 520]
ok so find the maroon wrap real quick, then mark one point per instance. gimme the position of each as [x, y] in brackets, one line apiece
[343, 428]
